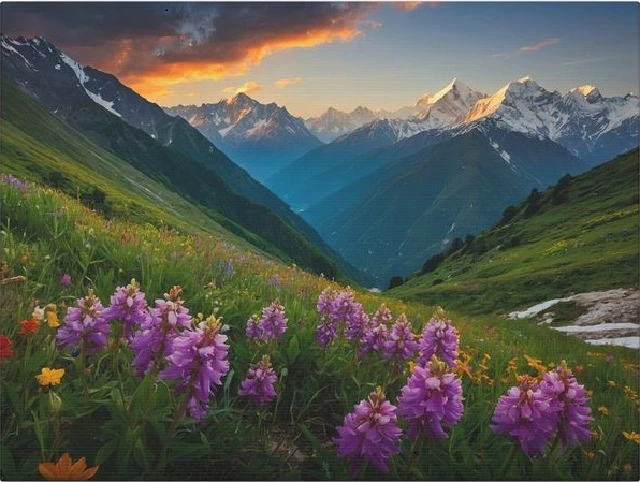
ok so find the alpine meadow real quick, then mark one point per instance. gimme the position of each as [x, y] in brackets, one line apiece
[319, 241]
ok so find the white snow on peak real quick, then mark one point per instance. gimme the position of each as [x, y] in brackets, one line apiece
[487, 106]
[6, 43]
[83, 78]
[525, 79]
[432, 99]
[584, 89]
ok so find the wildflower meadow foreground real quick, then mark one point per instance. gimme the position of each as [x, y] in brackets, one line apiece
[134, 352]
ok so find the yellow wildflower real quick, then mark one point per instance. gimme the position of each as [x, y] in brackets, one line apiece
[612, 383]
[536, 364]
[603, 410]
[52, 319]
[66, 469]
[632, 436]
[50, 376]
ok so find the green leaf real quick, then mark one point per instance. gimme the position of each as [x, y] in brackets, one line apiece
[105, 451]
[294, 348]
[143, 400]
[8, 465]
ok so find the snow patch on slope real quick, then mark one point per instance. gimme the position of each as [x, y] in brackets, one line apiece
[83, 78]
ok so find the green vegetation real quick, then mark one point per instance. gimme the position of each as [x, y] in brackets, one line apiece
[170, 190]
[577, 236]
[125, 424]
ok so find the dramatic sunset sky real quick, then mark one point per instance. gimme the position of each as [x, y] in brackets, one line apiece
[309, 56]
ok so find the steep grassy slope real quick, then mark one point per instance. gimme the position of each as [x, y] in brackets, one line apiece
[132, 428]
[584, 236]
[37, 143]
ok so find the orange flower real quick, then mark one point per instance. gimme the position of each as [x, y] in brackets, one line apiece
[50, 376]
[64, 469]
[632, 436]
[536, 364]
[28, 327]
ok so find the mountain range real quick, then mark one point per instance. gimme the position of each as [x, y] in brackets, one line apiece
[393, 191]
[388, 189]
[165, 148]
[261, 138]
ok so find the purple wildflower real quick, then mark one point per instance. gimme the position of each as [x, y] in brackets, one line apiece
[375, 333]
[325, 300]
[400, 344]
[326, 331]
[84, 324]
[128, 304]
[382, 315]
[431, 399]
[65, 280]
[259, 383]
[525, 414]
[356, 322]
[271, 325]
[568, 399]
[252, 330]
[199, 359]
[370, 432]
[155, 338]
[11, 180]
[343, 306]
[439, 338]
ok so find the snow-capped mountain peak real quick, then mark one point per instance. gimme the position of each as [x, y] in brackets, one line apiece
[454, 85]
[448, 106]
[258, 136]
[525, 88]
[590, 93]
[335, 123]
[38, 51]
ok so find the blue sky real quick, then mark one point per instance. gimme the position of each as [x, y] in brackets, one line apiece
[314, 55]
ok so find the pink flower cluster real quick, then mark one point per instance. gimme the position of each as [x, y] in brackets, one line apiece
[534, 413]
[259, 384]
[271, 326]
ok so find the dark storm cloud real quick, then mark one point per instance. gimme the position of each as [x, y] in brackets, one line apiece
[207, 39]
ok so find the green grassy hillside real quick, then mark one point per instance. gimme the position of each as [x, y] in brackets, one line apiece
[139, 179]
[132, 428]
[583, 236]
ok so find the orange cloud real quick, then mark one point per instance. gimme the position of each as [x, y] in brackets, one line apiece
[247, 88]
[151, 47]
[406, 6]
[286, 82]
[156, 77]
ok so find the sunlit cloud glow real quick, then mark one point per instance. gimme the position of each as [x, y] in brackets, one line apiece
[286, 82]
[247, 88]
